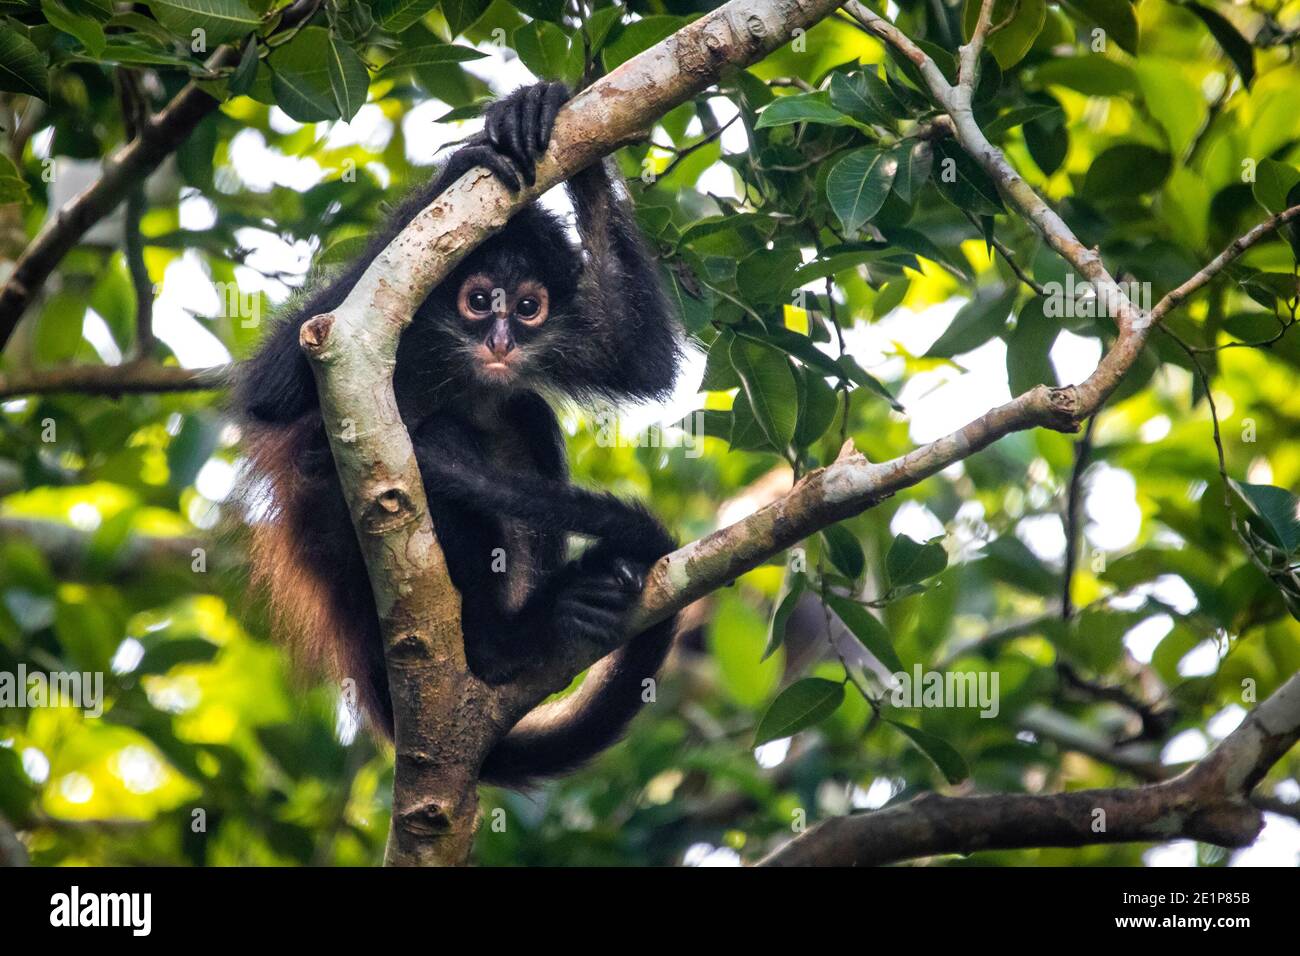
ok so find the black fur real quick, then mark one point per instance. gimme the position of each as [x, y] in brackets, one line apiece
[490, 452]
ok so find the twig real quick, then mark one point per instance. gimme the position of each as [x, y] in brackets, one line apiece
[1073, 508]
[135, 116]
[130, 378]
[1009, 257]
[686, 151]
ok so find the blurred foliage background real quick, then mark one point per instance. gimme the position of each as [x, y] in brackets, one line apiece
[836, 284]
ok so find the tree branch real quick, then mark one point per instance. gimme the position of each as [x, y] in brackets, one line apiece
[71, 551]
[129, 378]
[1209, 802]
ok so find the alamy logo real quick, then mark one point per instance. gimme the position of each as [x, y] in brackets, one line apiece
[103, 909]
[687, 434]
[938, 690]
[1083, 300]
[57, 688]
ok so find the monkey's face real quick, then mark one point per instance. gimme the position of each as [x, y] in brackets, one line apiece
[501, 323]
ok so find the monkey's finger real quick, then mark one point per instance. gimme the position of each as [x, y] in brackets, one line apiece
[557, 94]
[467, 158]
[629, 576]
[529, 115]
[508, 138]
[492, 123]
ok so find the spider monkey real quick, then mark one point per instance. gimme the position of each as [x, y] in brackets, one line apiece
[527, 312]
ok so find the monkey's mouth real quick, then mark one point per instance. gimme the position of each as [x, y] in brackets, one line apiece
[497, 372]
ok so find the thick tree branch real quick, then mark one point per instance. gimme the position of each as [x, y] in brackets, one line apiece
[1210, 802]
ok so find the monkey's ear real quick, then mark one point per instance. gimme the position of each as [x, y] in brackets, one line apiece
[277, 385]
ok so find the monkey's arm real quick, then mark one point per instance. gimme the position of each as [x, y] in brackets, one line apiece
[587, 598]
[620, 281]
[277, 384]
[545, 504]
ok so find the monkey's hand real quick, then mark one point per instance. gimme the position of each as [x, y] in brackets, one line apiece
[594, 601]
[515, 135]
[586, 600]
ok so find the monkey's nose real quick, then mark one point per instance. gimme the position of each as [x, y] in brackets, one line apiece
[500, 341]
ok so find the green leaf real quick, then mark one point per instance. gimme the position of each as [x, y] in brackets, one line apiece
[845, 552]
[1093, 75]
[427, 55]
[1020, 115]
[552, 10]
[145, 25]
[1029, 348]
[859, 184]
[1125, 171]
[1010, 42]
[818, 404]
[1236, 46]
[910, 562]
[1007, 559]
[129, 50]
[163, 656]
[349, 78]
[543, 47]
[770, 388]
[692, 301]
[799, 706]
[1116, 17]
[1273, 183]
[58, 329]
[462, 14]
[301, 77]
[599, 25]
[343, 251]
[736, 637]
[398, 15]
[746, 434]
[963, 182]
[859, 376]
[84, 28]
[241, 81]
[866, 97]
[801, 108]
[13, 190]
[978, 321]
[638, 36]
[1048, 143]
[941, 753]
[22, 66]
[1277, 511]
[867, 629]
[220, 20]
[915, 161]
[791, 590]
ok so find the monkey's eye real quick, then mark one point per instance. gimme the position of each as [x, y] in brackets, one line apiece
[479, 301]
[528, 307]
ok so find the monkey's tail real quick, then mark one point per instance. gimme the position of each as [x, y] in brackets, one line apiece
[564, 734]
